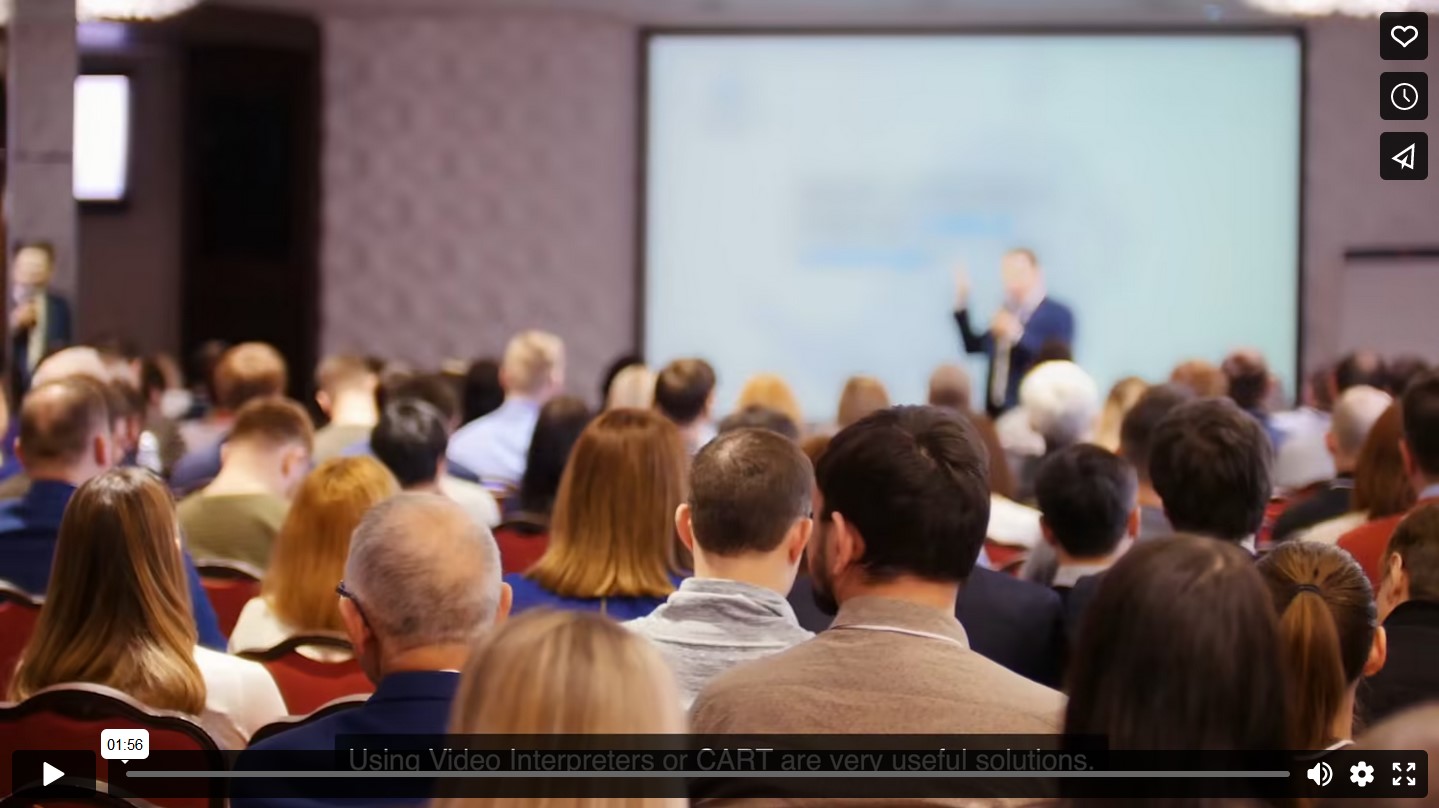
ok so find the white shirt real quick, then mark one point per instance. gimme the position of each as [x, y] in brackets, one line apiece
[1331, 531]
[239, 689]
[260, 629]
[477, 502]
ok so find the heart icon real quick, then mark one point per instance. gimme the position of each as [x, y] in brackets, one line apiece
[1398, 32]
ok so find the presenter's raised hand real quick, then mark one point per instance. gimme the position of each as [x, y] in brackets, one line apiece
[961, 287]
[1005, 326]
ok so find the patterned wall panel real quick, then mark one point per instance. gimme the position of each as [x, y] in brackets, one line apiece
[479, 179]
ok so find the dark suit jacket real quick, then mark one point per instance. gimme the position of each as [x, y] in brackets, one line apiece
[58, 334]
[1411, 673]
[1051, 321]
[1015, 623]
[1331, 501]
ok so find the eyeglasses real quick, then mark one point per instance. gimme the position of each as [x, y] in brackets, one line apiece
[345, 593]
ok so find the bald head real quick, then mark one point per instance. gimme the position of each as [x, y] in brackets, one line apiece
[72, 362]
[60, 423]
[425, 573]
[1354, 415]
[949, 387]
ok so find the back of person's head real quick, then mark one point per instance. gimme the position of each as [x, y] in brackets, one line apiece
[757, 417]
[201, 363]
[249, 371]
[64, 424]
[68, 363]
[309, 553]
[612, 370]
[1327, 624]
[431, 388]
[344, 374]
[633, 388]
[770, 391]
[1136, 432]
[1401, 370]
[911, 484]
[750, 492]
[684, 389]
[1202, 378]
[421, 573]
[1411, 561]
[612, 530]
[564, 673]
[1358, 407]
[558, 427]
[1086, 497]
[1062, 402]
[533, 365]
[1359, 368]
[1210, 463]
[1381, 484]
[273, 423]
[949, 386]
[483, 393]
[861, 396]
[1421, 425]
[1248, 377]
[1197, 610]
[1121, 399]
[410, 439]
[117, 610]
[1411, 729]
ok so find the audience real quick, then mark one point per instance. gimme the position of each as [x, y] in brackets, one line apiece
[1354, 415]
[346, 386]
[481, 392]
[1210, 465]
[562, 673]
[773, 393]
[684, 393]
[1087, 498]
[1202, 378]
[902, 506]
[1060, 402]
[1420, 450]
[612, 371]
[1121, 399]
[156, 387]
[1381, 485]
[267, 454]
[949, 387]
[64, 442]
[747, 522]
[562, 420]
[1401, 370]
[633, 388]
[1180, 650]
[1409, 606]
[1329, 638]
[117, 613]
[410, 440]
[298, 593]
[421, 583]
[1414, 729]
[246, 372]
[861, 396]
[494, 446]
[612, 533]
[757, 417]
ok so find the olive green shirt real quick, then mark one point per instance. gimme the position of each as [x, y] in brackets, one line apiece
[232, 527]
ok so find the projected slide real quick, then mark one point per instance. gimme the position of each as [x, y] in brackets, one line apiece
[808, 198]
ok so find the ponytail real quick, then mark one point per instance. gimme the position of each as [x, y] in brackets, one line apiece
[1310, 647]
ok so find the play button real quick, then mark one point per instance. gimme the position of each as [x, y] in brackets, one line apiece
[49, 774]
[64, 769]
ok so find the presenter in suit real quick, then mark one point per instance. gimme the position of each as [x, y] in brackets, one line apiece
[1028, 321]
[39, 318]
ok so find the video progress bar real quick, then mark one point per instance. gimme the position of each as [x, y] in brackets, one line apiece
[881, 775]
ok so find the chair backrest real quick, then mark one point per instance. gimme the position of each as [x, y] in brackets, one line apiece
[71, 717]
[307, 684]
[18, 612]
[230, 585]
[521, 544]
[324, 711]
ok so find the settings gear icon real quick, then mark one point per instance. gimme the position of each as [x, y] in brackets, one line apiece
[1361, 774]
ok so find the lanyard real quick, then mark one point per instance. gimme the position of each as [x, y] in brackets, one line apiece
[909, 631]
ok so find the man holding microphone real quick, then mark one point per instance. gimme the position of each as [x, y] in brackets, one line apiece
[1028, 321]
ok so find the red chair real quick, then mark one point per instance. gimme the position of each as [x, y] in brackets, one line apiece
[521, 543]
[285, 724]
[308, 684]
[230, 585]
[18, 612]
[71, 717]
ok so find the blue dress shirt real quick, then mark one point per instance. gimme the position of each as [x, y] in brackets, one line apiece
[496, 446]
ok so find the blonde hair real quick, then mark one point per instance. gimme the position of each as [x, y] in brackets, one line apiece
[533, 360]
[770, 391]
[612, 531]
[308, 558]
[1121, 399]
[861, 396]
[633, 388]
[565, 673]
[117, 611]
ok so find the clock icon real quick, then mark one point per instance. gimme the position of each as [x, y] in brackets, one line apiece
[1404, 96]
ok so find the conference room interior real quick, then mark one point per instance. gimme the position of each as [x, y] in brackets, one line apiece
[826, 202]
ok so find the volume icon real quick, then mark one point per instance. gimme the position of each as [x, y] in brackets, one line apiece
[1321, 774]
